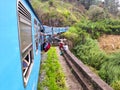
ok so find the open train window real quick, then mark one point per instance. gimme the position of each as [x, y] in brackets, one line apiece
[36, 43]
[42, 36]
[25, 38]
[39, 28]
[36, 35]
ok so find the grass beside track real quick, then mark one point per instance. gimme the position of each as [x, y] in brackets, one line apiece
[54, 77]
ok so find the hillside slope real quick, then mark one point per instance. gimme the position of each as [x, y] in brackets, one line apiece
[58, 13]
[110, 43]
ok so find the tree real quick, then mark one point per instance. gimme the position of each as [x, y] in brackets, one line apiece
[88, 3]
[96, 13]
[118, 14]
[112, 6]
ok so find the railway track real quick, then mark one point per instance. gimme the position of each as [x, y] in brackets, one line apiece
[86, 78]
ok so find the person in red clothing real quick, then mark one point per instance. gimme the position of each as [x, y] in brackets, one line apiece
[47, 46]
[61, 47]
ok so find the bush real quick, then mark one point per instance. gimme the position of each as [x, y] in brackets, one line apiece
[94, 29]
[90, 53]
[71, 36]
[110, 69]
[96, 13]
[116, 85]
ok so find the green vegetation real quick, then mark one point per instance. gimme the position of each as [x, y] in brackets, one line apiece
[95, 29]
[57, 12]
[90, 53]
[116, 85]
[110, 69]
[54, 78]
[96, 13]
[86, 27]
[84, 35]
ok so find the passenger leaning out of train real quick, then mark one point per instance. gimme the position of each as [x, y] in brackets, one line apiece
[46, 46]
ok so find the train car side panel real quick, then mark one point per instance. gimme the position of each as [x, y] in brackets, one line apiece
[33, 78]
[10, 68]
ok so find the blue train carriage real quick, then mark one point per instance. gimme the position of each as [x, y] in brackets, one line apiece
[55, 30]
[19, 45]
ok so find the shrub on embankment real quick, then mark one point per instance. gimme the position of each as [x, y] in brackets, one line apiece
[90, 53]
[54, 78]
[110, 69]
[108, 66]
[93, 29]
[84, 35]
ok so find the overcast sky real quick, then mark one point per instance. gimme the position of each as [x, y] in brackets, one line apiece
[103, 0]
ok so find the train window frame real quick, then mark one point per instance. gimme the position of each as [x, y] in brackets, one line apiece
[26, 54]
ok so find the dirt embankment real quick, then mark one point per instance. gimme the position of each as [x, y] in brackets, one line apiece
[109, 43]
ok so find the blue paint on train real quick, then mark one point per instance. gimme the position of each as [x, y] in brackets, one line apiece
[55, 30]
[11, 76]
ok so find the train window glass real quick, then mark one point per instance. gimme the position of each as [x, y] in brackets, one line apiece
[39, 28]
[25, 37]
[40, 34]
[36, 31]
[36, 43]
[35, 21]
